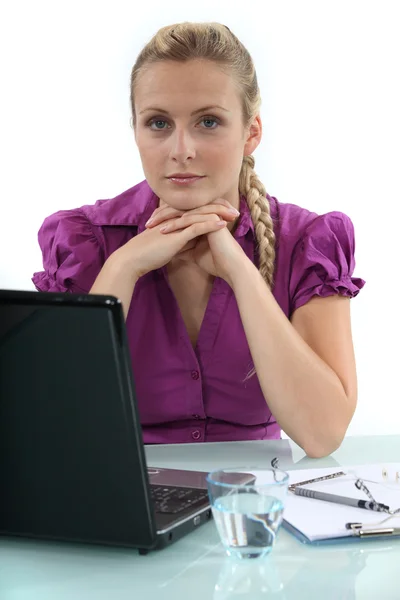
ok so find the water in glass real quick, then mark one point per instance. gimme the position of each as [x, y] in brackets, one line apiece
[247, 523]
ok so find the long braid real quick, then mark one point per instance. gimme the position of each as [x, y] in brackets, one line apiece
[252, 188]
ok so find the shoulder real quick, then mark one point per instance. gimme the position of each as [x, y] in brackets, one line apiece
[315, 254]
[296, 227]
[76, 242]
[294, 223]
[128, 208]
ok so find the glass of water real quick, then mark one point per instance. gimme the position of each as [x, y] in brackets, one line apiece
[247, 505]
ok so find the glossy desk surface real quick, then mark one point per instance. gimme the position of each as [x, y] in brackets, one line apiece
[196, 567]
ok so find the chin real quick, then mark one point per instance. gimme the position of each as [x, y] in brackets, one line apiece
[186, 202]
[185, 199]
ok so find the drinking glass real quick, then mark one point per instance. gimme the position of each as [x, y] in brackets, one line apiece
[247, 505]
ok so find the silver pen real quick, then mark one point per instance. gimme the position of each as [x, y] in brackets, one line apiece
[368, 504]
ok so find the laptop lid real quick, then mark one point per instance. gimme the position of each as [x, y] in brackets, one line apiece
[72, 463]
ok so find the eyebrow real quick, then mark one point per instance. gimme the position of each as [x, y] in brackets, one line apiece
[195, 112]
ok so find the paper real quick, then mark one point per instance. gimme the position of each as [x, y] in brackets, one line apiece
[319, 520]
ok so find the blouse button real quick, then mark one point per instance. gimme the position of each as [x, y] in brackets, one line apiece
[195, 375]
[196, 435]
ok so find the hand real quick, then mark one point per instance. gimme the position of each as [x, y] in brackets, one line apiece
[219, 207]
[215, 254]
[151, 250]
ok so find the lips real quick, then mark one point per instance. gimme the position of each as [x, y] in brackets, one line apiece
[185, 179]
[183, 176]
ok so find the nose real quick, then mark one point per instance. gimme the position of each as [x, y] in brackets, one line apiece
[182, 146]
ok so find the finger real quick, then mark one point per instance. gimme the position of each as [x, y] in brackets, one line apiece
[204, 212]
[202, 228]
[225, 212]
[221, 207]
[163, 214]
[214, 201]
[187, 220]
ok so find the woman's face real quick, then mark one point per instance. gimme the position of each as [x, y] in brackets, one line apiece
[189, 120]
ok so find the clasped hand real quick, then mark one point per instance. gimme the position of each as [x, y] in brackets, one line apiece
[216, 252]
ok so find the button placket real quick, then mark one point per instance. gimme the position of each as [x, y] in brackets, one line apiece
[196, 431]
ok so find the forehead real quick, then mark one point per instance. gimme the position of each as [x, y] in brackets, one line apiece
[177, 85]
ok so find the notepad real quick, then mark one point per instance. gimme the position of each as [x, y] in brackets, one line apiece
[317, 520]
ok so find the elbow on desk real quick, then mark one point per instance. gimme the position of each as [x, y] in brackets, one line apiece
[324, 446]
[324, 441]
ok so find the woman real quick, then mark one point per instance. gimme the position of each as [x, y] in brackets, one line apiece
[236, 305]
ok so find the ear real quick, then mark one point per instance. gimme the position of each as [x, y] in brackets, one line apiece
[253, 136]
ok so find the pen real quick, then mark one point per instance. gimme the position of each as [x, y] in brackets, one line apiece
[369, 505]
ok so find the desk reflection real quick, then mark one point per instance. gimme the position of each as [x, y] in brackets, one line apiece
[326, 573]
[252, 579]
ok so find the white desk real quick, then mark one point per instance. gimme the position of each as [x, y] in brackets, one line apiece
[196, 567]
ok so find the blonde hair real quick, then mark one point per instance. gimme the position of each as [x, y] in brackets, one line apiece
[215, 42]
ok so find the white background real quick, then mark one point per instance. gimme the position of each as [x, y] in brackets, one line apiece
[329, 77]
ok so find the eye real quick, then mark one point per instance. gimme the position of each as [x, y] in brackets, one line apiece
[208, 120]
[156, 122]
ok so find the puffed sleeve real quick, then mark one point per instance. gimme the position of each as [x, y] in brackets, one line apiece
[323, 260]
[72, 257]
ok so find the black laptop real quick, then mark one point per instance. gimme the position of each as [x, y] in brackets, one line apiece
[72, 462]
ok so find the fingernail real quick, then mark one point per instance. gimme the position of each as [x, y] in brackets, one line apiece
[150, 221]
[164, 228]
[221, 223]
[233, 211]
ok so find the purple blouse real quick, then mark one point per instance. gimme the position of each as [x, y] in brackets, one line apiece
[186, 394]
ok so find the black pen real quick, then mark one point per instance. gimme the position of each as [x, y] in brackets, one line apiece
[367, 504]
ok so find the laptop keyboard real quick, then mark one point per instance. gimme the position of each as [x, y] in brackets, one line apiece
[174, 500]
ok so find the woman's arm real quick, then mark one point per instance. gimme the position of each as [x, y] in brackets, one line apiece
[146, 252]
[306, 367]
[117, 278]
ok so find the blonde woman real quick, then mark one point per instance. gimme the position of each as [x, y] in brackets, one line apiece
[237, 305]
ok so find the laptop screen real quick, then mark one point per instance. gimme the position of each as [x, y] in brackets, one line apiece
[72, 462]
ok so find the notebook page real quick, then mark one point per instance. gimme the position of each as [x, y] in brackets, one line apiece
[319, 520]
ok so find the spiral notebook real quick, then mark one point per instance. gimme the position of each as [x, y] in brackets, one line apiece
[318, 521]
